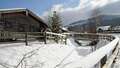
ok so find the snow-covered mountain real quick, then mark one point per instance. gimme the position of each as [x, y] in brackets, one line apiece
[110, 15]
[112, 20]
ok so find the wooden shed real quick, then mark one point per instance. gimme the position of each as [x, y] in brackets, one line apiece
[20, 20]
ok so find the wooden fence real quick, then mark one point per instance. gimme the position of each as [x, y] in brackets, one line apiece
[88, 61]
[43, 36]
[103, 57]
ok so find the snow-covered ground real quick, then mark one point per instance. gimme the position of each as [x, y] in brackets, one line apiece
[84, 43]
[40, 55]
[37, 55]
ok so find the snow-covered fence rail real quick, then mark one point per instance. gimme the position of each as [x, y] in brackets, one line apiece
[102, 57]
[43, 36]
[95, 57]
[57, 37]
[90, 36]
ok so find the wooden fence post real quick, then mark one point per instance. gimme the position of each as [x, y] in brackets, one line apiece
[57, 39]
[26, 39]
[45, 38]
[65, 40]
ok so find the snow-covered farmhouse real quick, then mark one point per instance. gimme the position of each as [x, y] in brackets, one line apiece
[20, 20]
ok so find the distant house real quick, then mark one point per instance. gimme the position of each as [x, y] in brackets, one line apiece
[20, 20]
[103, 28]
[64, 29]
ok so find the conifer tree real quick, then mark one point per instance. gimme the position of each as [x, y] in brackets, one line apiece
[55, 22]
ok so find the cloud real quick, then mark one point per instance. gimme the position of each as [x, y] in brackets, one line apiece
[64, 12]
[58, 7]
[82, 11]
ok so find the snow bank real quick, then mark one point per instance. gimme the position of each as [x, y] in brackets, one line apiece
[81, 50]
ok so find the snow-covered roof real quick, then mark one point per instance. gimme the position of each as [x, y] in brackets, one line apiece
[64, 28]
[13, 10]
[104, 27]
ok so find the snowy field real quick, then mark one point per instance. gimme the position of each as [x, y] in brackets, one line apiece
[37, 55]
[40, 55]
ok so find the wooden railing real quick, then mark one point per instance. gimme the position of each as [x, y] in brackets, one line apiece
[43, 36]
[88, 61]
[106, 53]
